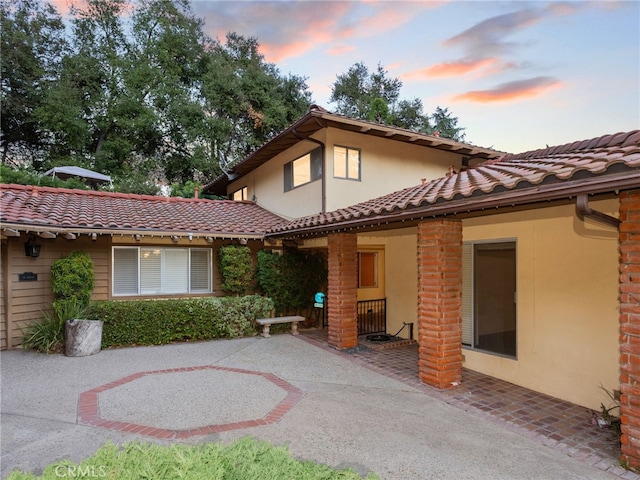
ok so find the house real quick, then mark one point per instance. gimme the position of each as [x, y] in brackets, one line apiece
[324, 162]
[523, 267]
[141, 246]
[282, 179]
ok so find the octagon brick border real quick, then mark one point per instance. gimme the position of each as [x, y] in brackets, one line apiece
[88, 411]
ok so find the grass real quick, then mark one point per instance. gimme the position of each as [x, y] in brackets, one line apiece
[245, 459]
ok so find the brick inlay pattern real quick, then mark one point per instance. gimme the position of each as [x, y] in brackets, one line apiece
[89, 414]
[630, 326]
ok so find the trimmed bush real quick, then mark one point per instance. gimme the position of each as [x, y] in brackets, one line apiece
[158, 322]
[72, 278]
[236, 269]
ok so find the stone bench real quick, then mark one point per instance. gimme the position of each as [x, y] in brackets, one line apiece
[267, 322]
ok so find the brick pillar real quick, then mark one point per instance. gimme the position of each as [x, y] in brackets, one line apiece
[630, 327]
[440, 302]
[342, 290]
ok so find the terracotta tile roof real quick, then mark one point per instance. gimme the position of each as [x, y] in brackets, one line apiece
[59, 209]
[598, 165]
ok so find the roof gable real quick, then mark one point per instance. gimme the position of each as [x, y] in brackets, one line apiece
[317, 119]
[60, 209]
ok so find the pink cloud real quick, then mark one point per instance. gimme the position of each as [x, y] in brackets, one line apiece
[289, 29]
[450, 69]
[516, 90]
[337, 50]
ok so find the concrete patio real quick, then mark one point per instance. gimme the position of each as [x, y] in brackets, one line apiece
[327, 406]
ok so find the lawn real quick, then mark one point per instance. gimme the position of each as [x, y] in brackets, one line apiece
[245, 459]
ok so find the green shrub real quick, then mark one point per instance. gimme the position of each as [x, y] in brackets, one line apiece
[245, 459]
[291, 279]
[158, 322]
[236, 268]
[72, 278]
[48, 335]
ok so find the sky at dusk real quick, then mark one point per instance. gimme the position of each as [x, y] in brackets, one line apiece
[519, 75]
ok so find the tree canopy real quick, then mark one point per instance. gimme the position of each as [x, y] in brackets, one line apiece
[138, 91]
[375, 96]
[135, 90]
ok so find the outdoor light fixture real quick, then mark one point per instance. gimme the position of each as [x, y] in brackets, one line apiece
[31, 249]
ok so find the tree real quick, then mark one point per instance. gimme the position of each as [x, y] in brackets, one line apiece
[32, 44]
[137, 91]
[376, 97]
[246, 100]
[357, 91]
[447, 125]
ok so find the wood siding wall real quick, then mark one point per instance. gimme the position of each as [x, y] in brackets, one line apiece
[22, 302]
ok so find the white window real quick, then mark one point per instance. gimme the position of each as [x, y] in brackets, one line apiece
[161, 271]
[489, 297]
[346, 163]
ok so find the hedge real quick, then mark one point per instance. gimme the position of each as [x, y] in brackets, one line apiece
[158, 322]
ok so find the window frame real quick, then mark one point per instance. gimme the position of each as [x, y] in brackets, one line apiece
[314, 158]
[347, 163]
[244, 194]
[469, 300]
[192, 270]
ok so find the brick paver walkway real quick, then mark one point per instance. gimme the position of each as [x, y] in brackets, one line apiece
[556, 423]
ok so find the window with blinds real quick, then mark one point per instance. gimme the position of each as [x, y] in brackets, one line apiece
[161, 271]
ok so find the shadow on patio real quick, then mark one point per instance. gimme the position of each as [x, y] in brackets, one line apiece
[553, 422]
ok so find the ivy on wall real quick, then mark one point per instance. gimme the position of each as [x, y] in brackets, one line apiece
[292, 279]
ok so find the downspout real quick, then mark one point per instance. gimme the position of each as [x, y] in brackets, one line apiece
[583, 210]
[324, 164]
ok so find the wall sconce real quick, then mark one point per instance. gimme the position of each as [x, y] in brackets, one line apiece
[31, 249]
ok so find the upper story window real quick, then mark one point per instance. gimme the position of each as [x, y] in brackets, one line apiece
[346, 163]
[240, 194]
[161, 271]
[303, 170]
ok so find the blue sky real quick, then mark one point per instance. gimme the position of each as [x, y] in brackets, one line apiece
[518, 75]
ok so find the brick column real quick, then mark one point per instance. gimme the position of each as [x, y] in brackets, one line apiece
[440, 302]
[342, 290]
[630, 327]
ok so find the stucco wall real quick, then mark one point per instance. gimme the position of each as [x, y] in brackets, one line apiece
[567, 311]
[266, 184]
[400, 277]
[386, 166]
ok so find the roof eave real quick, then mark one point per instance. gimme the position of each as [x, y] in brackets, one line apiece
[492, 201]
[82, 230]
